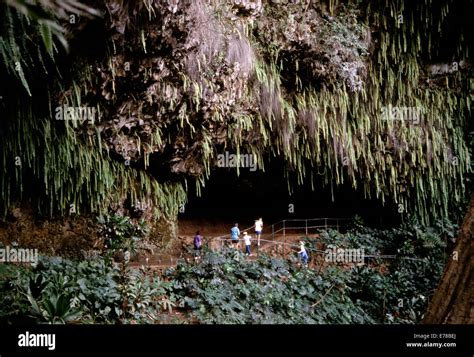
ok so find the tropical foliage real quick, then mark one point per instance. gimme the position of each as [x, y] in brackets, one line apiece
[92, 291]
[226, 287]
[174, 85]
[121, 235]
[119, 108]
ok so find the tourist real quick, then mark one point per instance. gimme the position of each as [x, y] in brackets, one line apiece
[234, 235]
[258, 229]
[303, 254]
[247, 240]
[197, 245]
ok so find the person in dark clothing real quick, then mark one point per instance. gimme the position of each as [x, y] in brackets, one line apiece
[197, 245]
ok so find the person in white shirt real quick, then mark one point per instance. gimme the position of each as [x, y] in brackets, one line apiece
[247, 240]
[258, 229]
[303, 254]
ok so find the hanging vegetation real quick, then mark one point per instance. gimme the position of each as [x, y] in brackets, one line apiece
[325, 87]
[46, 161]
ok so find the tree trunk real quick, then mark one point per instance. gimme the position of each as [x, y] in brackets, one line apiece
[453, 301]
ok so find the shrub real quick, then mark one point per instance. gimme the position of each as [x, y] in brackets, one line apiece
[92, 291]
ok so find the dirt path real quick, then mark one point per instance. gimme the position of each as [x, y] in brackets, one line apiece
[267, 246]
[216, 235]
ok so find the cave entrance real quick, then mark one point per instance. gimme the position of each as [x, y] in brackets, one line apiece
[228, 198]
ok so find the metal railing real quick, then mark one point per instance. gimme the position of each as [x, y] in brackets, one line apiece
[281, 227]
[292, 225]
[290, 247]
[309, 224]
[306, 225]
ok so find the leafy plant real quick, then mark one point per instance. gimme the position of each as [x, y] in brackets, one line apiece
[225, 287]
[120, 234]
[60, 291]
[145, 297]
[53, 308]
[90, 291]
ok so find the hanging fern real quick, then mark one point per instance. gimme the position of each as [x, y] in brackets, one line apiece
[318, 110]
